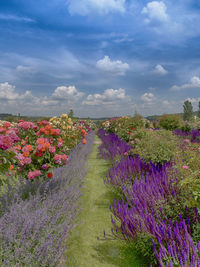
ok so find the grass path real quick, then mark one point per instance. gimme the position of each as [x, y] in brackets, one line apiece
[84, 250]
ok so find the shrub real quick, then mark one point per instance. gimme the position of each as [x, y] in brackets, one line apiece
[170, 122]
[155, 146]
[187, 165]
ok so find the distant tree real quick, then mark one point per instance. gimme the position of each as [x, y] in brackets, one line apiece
[187, 110]
[71, 114]
[198, 112]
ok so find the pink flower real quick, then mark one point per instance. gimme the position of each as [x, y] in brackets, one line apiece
[186, 140]
[57, 159]
[2, 129]
[59, 144]
[25, 149]
[125, 153]
[5, 142]
[52, 149]
[27, 161]
[6, 124]
[64, 157]
[57, 131]
[33, 174]
[26, 125]
[45, 166]
[185, 167]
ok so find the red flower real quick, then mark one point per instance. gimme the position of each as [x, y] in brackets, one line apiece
[6, 124]
[50, 175]
[84, 141]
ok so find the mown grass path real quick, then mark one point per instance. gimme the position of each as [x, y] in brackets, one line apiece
[84, 249]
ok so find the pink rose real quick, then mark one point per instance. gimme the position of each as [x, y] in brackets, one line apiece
[52, 149]
[45, 166]
[57, 159]
[57, 131]
[27, 161]
[185, 167]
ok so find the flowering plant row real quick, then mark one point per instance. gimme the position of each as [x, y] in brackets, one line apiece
[37, 217]
[33, 149]
[152, 213]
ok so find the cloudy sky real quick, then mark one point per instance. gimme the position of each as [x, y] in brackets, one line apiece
[99, 57]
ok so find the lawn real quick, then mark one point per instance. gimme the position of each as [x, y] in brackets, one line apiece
[84, 248]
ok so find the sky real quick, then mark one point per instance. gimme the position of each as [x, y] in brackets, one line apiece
[99, 57]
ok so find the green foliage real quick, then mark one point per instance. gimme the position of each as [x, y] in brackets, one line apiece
[138, 121]
[156, 146]
[170, 122]
[6, 160]
[186, 127]
[187, 111]
[143, 245]
[187, 164]
[196, 232]
[198, 112]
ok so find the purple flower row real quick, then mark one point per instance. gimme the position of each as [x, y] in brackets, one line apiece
[112, 145]
[194, 135]
[37, 219]
[152, 205]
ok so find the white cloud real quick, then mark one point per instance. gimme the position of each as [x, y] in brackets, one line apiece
[84, 7]
[194, 83]
[15, 18]
[112, 67]
[25, 69]
[109, 97]
[7, 92]
[166, 102]
[155, 12]
[193, 100]
[148, 97]
[152, 88]
[160, 70]
[59, 101]
[67, 93]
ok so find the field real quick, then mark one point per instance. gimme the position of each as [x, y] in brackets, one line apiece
[123, 192]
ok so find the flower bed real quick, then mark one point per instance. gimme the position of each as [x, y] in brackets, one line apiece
[37, 217]
[32, 150]
[151, 210]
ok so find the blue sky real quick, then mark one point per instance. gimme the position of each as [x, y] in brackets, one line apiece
[99, 57]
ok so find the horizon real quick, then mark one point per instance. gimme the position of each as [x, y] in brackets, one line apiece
[99, 58]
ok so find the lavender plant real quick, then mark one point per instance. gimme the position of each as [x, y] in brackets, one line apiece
[33, 230]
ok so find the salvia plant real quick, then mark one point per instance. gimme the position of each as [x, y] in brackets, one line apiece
[193, 135]
[130, 168]
[151, 204]
[112, 145]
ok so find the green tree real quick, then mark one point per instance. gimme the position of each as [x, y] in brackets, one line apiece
[71, 114]
[187, 110]
[198, 112]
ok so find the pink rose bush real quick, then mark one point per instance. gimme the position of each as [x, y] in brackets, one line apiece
[33, 149]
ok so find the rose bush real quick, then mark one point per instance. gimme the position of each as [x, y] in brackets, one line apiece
[33, 149]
